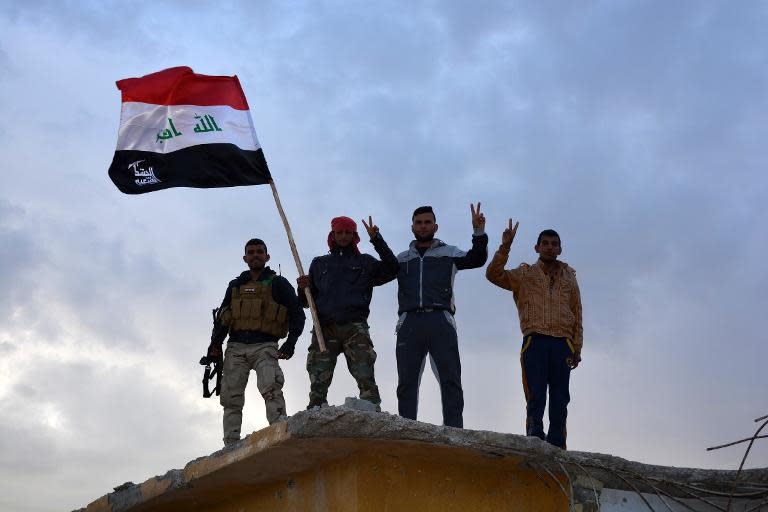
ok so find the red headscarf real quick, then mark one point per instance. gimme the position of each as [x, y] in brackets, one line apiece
[344, 223]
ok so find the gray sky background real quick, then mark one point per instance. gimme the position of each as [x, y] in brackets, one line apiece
[636, 129]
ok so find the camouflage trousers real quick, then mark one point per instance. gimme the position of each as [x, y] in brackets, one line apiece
[351, 339]
[239, 360]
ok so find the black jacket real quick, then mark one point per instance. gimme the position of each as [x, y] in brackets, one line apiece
[282, 292]
[342, 282]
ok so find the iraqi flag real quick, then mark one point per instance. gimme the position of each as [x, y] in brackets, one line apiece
[181, 129]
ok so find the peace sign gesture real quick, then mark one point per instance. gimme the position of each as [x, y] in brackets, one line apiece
[372, 229]
[478, 219]
[509, 234]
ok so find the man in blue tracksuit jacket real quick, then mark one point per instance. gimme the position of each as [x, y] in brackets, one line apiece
[426, 308]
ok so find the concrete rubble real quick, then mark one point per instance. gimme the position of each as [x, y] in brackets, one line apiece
[595, 479]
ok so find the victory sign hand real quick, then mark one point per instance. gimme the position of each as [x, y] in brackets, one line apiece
[372, 229]
[509, 233]
[478, 219]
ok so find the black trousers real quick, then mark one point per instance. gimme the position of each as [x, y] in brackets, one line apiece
[544, 361]
[430, 333]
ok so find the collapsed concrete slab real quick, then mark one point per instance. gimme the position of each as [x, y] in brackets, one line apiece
[341, 459]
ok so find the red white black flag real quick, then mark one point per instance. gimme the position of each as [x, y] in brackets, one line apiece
[181, 129]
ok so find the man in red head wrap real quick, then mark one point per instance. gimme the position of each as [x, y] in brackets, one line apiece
[346, 229]
[342, 284]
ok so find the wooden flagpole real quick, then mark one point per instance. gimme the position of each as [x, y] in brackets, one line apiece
[310, 299]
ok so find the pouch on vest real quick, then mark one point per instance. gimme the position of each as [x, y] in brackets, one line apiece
[282, 316]
[252, 313]
[235, 305]
[225, 316]
[281, 321]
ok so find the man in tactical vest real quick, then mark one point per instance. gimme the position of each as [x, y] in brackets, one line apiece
[342, 284]
[259, 308]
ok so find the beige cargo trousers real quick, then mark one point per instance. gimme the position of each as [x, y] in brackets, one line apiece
[239, 360]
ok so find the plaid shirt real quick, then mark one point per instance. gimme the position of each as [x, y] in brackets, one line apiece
[546, 304]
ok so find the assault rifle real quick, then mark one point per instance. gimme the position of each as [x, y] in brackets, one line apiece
[217, 362]
[208, 375]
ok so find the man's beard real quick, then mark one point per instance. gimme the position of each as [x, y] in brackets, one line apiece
[427, 238]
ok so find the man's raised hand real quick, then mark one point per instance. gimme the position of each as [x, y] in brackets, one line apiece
[478, 219]
[372, 229]
[509, 234]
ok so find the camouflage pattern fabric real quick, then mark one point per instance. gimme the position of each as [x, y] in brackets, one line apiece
[351, 339]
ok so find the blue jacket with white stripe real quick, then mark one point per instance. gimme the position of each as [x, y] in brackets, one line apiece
[427, 281]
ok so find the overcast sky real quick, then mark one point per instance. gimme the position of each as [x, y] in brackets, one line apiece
[636, 129]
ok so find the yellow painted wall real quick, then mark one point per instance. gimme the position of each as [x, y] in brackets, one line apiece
[408, 477]
[444, 481]
[329, 488]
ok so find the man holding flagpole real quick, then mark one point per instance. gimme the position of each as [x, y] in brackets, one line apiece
[342, 282]
[179, 128]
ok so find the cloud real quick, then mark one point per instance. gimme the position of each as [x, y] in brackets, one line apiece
[637, 135]
[81, 412]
